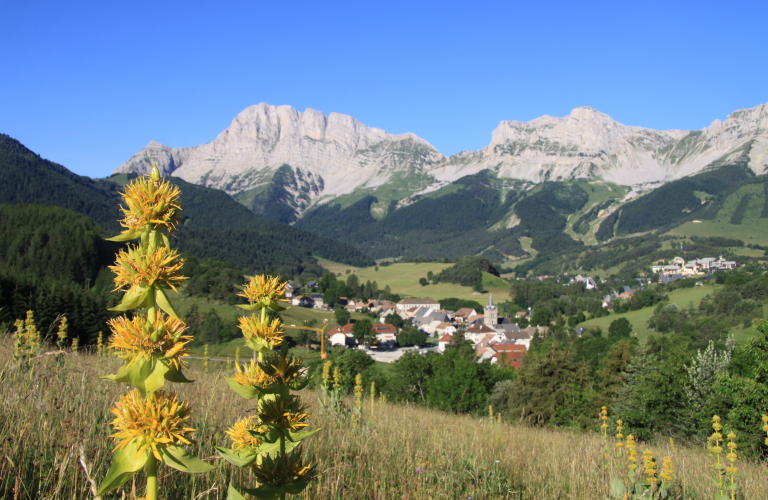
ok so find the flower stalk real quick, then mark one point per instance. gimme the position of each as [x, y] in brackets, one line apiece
[150, 424]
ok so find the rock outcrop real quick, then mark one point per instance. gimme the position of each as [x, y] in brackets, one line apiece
[336, 154]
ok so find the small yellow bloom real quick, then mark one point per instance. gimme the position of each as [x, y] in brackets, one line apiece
[667, 470]
[265, 336]
[155, 420]
[152, 203]
[276, 472]
[133, 338]
[263, 289]
[288, 413]
[240, 433]
[136, 269]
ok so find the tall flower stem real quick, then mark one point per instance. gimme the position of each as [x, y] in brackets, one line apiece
[152, 310]
[152, 477]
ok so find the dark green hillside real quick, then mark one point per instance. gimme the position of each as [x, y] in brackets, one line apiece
[435, 226]
[677, 201]
[40, 241]
[467, 271]
[543, 215]
[27, 178]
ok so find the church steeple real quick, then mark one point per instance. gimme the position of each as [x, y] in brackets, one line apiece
[491, 313]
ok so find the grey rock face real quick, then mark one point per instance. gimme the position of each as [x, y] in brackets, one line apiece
[341, 154]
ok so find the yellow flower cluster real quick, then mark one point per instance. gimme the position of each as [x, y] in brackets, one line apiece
[155, 420]
[649, 467]
[272, 370]
[631, 452]
[765, 428]
[151, 203]
[138, 338]
[619, 437]
[62, 333]
[270, 334]
[274, 471]
[241, 433]
[287, 412]
[667, 470]
[135, 269]
[327, 374]
[263, 289]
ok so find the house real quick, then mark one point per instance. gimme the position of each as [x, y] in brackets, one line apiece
[381, 328]
[522, 337]
[464, 315]
[443, 341]
[302, 301]
[521, 314]
[409, 303]
[668, 279]
[291, 290]
[477, 332]
[317, 298]
[379, 305]
[312, 284]
[445, 328]
[509, 355]
[343, 339]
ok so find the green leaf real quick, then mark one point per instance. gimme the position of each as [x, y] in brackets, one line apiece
[174, 375]
[300, 436]
[164, 303]
[233, 494]
[156, 377]
[131, 234]
[125, 464]
[265, 492]
[296, 488]
[138, 373]
[617, 488]
[120, 376]
[246, 391]
[238, 458]
[165, 241]
[132, 299]
[298, 384]
[276, 307]
[178, 458]
[249, 307]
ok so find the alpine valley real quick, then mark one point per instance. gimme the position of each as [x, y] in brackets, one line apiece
[552, 183]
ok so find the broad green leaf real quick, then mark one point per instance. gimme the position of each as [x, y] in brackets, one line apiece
[300, 436]
[174, 375]
[617, 488]
[296, 488]
[178, 458]
[133, 299]
[120, 376]
[238, 458]
[125, 464]
[233, 494]
[265, 492]
[276, 307]
[246, 391]
[138, 373]
[298, 384]
[131, 234]
[249, 307]
[156, 377]
[165, 241]
[164, 303]
[258, 345]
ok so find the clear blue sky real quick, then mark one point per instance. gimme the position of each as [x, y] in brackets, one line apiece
[87, 84]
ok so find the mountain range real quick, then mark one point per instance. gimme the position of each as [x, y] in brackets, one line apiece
[281, 163]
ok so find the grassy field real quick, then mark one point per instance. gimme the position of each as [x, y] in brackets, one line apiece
[639, 319]
[403, 278]
[55, 417]
[335, 267]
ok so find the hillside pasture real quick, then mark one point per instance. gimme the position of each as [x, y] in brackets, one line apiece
[403, 278]
[56, 417]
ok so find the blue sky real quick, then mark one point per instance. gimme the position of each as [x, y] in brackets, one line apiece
[88, 85]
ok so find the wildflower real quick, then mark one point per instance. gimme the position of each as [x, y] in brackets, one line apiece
[266, 373]
[336, 377]
[649, 467]
[327, 374]
[667, 470]
[156, 420]
[242, 432]
[261, 337]
[765, 427]
[265, 292]
[138, 270]
[62, 333]
[631, 453]
[285, 471]
[137, 338]
[419, 470]
[287, 412]
[152, 204]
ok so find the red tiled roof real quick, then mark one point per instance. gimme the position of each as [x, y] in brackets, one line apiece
[445, 338]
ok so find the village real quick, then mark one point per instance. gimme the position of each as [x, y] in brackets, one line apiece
[497, 339]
